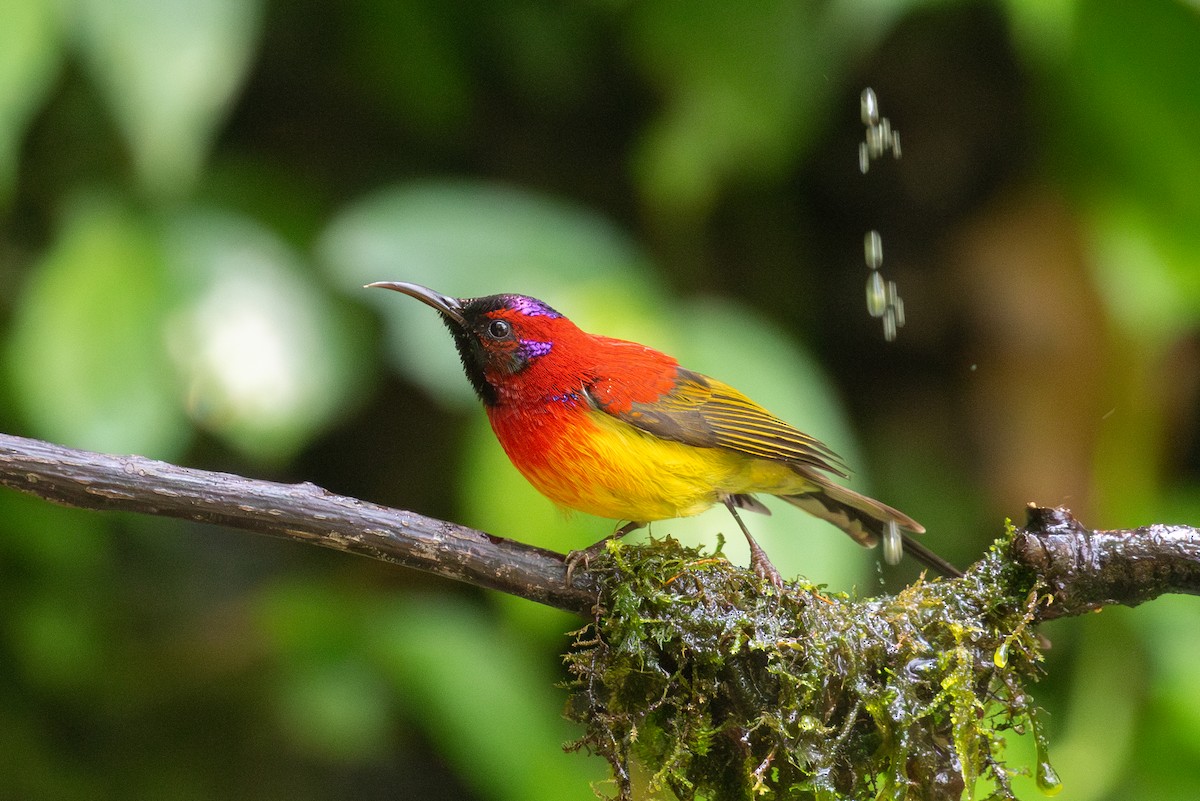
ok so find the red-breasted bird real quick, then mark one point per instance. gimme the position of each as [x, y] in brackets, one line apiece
[620, 430]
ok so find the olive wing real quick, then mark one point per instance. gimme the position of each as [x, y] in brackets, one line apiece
[707, 413]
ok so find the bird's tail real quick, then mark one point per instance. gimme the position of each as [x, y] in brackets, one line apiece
[864, 520]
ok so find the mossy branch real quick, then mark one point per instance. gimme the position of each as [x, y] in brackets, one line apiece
[722, 686]
[729, 690]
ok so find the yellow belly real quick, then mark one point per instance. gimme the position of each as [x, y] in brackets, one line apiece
[611, 469]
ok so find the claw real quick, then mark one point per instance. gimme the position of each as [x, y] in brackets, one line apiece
[763, 568]
[584, 555]
[575, 557]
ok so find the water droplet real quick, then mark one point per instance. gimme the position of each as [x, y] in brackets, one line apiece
[874, 142]
[1047, 779]
[873, 249]
[893, 545]
[1000, 658]
[889, 324]
[895, 304]
[876, 295]
[870, 107]
[864, 158]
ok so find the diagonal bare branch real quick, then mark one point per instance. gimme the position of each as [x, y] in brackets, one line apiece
[301, 512]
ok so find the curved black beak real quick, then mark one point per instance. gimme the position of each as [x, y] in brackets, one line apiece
[448, 306]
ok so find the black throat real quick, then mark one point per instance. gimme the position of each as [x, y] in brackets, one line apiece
[470, 353]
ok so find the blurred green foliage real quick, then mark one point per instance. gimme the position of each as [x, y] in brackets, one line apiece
[192, 194]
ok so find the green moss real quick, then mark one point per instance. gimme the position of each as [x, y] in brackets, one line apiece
[722, 687]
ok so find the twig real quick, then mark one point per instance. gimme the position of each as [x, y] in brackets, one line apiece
[301, 512]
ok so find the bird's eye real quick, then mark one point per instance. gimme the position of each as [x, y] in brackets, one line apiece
[499, 329]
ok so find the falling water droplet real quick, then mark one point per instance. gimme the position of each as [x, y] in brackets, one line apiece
[1000, 658]
[874, 142]
[876, 295]
[893, 545]
[883, 300]
[870, 107]
[873, 249]
[889, 324]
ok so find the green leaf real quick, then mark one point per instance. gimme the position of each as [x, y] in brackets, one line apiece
[469, 240]
[332, 708]
[30, 51]
[1127, 136]
[746, 86]
[1132, 113]
[266, 358]
[331, 700]
[409, 57]
[486, 700]
[86, 357]
[1145, 266]
[170, 69]
[57, 544]
[1166, 628]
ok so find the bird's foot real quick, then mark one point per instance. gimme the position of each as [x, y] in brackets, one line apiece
[759, 562]
[585, 556]
[763, 568]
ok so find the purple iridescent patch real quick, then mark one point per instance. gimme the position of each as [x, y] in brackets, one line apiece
[531, 348]
[531, 307]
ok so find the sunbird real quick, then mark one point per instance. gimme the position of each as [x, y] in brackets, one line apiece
[620, 430]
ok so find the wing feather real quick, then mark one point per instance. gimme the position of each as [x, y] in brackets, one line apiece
[706, 413]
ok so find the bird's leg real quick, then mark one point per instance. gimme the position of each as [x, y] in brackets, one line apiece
[759, 562]
[585, 555]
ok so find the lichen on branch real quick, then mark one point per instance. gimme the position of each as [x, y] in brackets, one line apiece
[724, 688]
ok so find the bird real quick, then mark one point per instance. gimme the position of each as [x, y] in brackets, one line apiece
[620, 430]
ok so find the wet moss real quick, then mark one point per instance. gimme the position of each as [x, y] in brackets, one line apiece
[722, 687]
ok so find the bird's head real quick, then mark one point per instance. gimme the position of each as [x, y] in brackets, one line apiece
[498, 336]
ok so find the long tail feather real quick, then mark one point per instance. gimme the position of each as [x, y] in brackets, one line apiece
[929, 558]
[863, 520]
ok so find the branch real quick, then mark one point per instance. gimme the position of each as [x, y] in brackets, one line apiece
[935, 646]
[1085, 570]
[301, 512]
